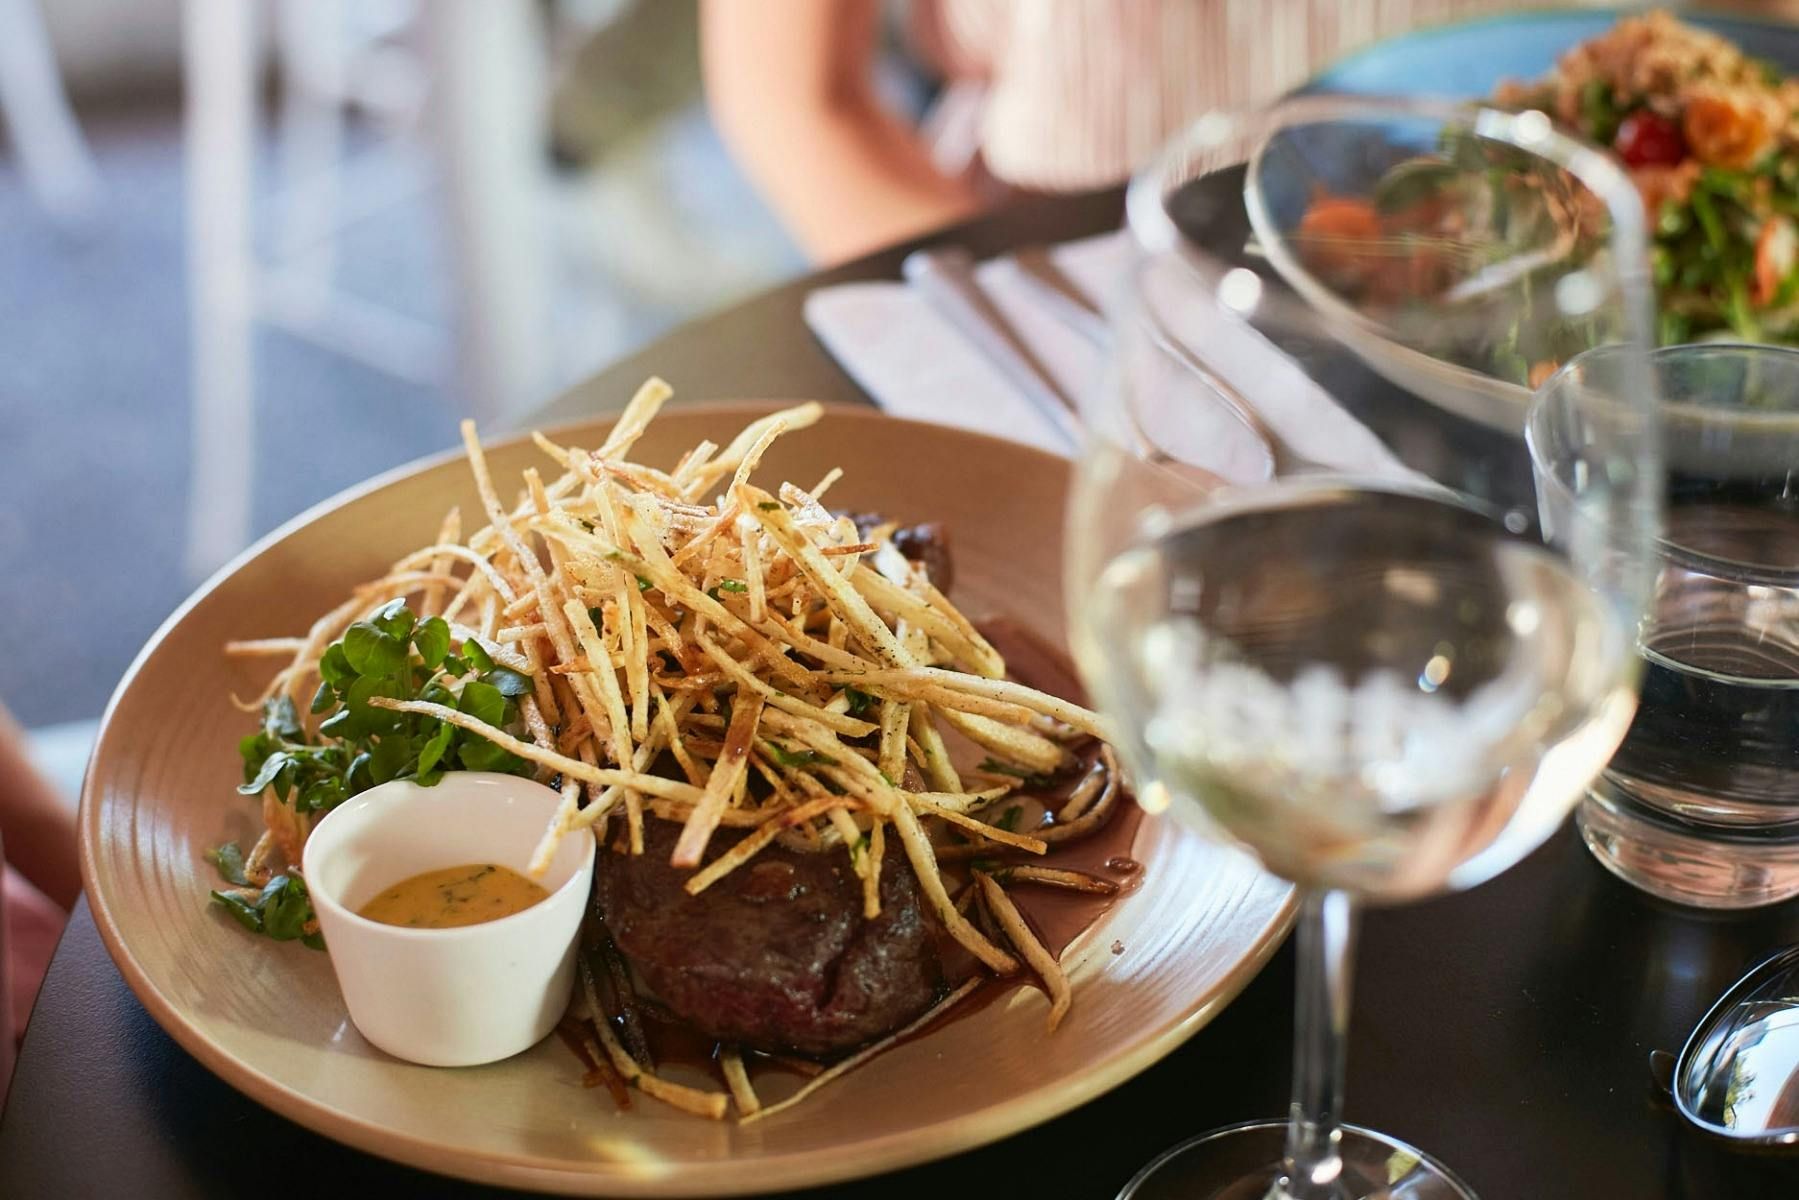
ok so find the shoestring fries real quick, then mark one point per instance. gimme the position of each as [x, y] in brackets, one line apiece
[702, 651]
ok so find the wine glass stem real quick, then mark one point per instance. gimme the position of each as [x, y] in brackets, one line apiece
[1326, 947]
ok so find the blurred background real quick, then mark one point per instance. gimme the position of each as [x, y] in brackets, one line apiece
[253, 252]
[409, 212]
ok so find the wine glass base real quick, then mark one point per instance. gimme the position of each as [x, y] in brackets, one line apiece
[1677, 861]
[1242, 1162]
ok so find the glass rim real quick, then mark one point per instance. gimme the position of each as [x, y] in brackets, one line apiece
[1154, 232]
[1151, 228]
[1549, 476]
[1774, 421]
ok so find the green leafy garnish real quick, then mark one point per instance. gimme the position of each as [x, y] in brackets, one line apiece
[726, 585]
[282, 910]
[769, 505]
[860, 701]
[1710, 222]
[477, 656]
[370, 651]
[1599, 112]
[1008, 820]
[433, 642]
[358, 745]
[230, 862]
[508, 682]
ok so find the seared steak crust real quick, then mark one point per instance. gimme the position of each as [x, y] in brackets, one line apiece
[776, 955]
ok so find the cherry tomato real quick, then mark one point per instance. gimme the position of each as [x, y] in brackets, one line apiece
[1646, 139]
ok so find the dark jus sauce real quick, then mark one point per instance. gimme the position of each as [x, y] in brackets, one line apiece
[1055, 915]
[1058, 916]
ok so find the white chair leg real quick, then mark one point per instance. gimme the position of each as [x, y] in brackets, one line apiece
[310, 43]
[52, 153]
[220, 62]
[486, 71]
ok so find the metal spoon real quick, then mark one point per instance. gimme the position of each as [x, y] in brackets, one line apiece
[1737, 1078]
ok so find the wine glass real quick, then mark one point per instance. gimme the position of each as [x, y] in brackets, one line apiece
[1308, 586]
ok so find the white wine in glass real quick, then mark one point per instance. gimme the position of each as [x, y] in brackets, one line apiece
[1367, 668]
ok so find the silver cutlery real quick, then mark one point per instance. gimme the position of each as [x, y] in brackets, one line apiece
[1069, 303]
[1062, 295]
[945, 278]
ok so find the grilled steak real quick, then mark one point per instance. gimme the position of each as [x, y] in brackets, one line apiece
[776, 955]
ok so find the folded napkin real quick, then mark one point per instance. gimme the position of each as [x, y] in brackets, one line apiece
[916, 364]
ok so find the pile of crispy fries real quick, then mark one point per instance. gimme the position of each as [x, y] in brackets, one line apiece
[798, 675]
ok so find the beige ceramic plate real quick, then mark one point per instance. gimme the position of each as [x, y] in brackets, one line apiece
[267, 1017]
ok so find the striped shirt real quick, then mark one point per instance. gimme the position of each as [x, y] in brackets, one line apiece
[1059, 95]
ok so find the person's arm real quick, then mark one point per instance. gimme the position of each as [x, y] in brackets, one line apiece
[36, 826]
[791, 90]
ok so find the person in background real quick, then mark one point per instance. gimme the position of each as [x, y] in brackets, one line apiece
[40, 880]
[1038, 95]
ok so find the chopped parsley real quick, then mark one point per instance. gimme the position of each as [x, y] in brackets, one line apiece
[796, 758]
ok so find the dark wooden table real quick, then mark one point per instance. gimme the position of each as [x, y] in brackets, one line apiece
[1506, 1030]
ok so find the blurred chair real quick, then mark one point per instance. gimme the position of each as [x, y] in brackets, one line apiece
[479, 67]
[53, 157]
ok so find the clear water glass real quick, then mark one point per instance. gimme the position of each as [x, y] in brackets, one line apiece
[1701, 804]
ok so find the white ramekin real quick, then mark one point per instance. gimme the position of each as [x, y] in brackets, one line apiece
[448, 997]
